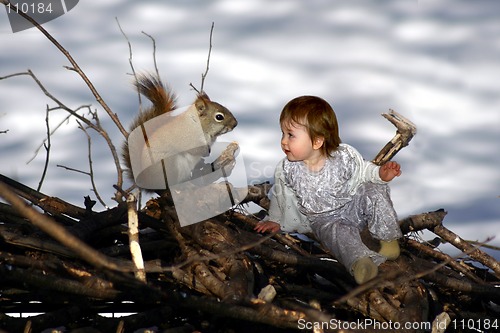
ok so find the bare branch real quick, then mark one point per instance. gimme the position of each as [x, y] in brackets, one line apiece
[75, 67]
[467, 248]
[209, 257]
[154, 53]
[195, 89]
[444, 258]
[91, 169]
[433, 222]
[58, 232]
[130, 59]
[47, 149]
[204, 75]
[397, 277]
[133, 234]
[73, 169]
[96, 127]
[405, 132]
[51, 205]
[44, 142]
[486, 246]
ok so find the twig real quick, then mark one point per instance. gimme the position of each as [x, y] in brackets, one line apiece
[204, 75]
[91, 169]
[130, 56]
[487, 246]
[75, 65]
[58, 232]
[51, 133]
[433, 222]
[422, 221]
[51, 205]
[154, 53]
[405, 132]
[45, 91]
[96, 127]
[208, 257]
[133, 234]
[391, 278]
[73, 169]
[167, 216]
[444, 257]
[34, 243]
[47, 149]
[60, 285]
[274, 315]
[464, 246]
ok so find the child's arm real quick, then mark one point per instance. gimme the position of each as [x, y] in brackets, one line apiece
[275, 211]
[365, 171]
[389, 170]
[283, 212]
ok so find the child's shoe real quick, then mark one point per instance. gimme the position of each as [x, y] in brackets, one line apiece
[389, 249]
[364, 269]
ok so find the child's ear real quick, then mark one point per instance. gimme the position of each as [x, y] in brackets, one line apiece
[318, 142]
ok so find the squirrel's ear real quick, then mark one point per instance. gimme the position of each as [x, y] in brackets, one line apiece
[201, 103]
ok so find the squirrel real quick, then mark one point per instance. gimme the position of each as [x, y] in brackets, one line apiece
[175, 139]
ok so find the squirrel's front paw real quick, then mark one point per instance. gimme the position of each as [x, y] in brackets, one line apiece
[227, 158]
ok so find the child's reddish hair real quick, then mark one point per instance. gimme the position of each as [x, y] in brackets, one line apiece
[317, 116]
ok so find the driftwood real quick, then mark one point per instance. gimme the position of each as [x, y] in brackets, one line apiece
[73, 264]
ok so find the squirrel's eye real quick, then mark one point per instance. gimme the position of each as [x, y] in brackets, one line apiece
[219, 117]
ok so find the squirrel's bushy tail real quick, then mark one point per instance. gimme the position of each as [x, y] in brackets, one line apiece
[150, 86]
[163, 99]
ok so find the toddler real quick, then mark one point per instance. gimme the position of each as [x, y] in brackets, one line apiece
[326, 187]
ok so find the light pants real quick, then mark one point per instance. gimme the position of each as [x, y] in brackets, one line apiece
[340, 232]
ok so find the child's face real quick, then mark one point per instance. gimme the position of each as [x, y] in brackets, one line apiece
[296, 142]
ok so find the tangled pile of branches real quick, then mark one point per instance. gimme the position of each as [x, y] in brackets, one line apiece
[74, 265]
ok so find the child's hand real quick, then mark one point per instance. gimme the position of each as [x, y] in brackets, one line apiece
[265, 226]
[388, 171]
